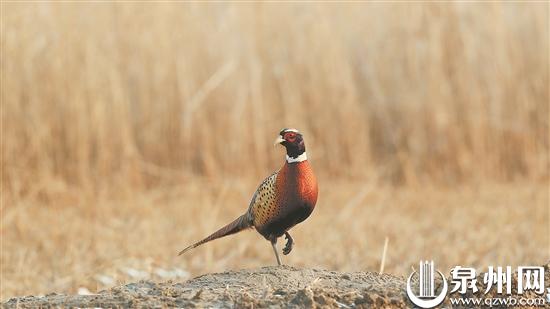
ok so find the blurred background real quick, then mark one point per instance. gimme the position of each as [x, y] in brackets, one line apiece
[130, 130]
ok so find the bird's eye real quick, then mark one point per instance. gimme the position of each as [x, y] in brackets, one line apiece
[290, 135]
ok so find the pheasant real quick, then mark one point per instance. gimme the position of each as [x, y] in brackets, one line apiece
[284, 199]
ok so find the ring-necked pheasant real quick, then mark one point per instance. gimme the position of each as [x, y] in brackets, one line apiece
[282, 200]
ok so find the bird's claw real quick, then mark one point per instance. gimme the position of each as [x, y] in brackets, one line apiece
[289, 245]
[287, 248]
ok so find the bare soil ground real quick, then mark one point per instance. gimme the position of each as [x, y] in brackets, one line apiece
[273, 286]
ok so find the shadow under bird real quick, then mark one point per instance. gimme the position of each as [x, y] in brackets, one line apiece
[284, 199]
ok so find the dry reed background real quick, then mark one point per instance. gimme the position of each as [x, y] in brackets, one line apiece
[130, 129]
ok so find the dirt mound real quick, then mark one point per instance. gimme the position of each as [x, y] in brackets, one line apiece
[264, 287]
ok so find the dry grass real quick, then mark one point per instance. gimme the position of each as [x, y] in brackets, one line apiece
[74, 242]
[131, 129]
[98, 93]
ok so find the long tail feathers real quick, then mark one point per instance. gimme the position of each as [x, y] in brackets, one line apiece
[236, 226]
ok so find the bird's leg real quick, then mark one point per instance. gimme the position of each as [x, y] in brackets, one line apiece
[274, 245]
[289, 244]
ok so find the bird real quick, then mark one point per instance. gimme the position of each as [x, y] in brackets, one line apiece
[284, 199]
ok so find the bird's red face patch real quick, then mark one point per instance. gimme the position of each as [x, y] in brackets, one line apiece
[290, 137]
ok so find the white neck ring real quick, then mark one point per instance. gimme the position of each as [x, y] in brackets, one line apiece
[300, 158]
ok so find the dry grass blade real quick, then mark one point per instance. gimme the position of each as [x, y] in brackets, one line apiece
[383, 259]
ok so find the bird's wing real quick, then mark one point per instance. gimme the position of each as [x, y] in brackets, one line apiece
[264, 194]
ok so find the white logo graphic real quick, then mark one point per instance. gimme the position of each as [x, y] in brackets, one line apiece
[426, 288]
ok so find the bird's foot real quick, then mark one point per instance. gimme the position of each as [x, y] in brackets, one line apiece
[289, 244]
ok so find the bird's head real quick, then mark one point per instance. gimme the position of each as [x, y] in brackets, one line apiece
[293, 141]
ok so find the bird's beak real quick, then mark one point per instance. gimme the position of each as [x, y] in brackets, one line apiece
[278, 140]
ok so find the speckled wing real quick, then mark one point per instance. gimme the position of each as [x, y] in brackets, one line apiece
[263, 202]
